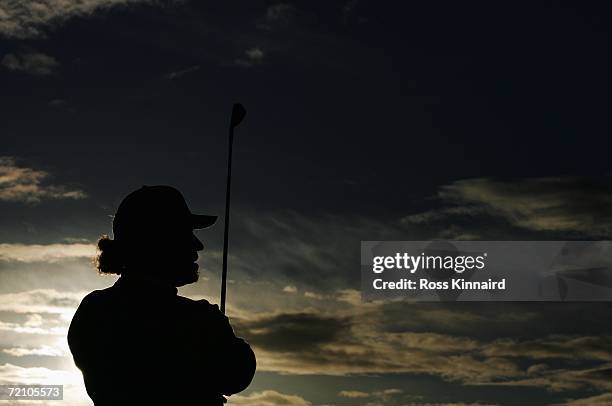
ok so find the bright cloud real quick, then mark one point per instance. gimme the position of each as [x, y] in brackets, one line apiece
[353, 394]
[44, 350]
[290, 289]
[45, 253]
[22, 184]
[71, 379]
[40, 301]
[378, 396]
[29, 18]
[267, 398]
[24, 329]
[13, 374]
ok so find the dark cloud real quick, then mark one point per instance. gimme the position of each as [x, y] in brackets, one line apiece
[277, 16]
[294, 332]
[317, 251]
[350, 13]
[568, 205]
[562, 379]
[487, 321]
[62, 105]
[597, 400]
[33, 63]
[555, 347]
[374, 338]
[252, 56]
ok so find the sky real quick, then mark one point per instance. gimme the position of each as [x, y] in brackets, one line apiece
[365, 121]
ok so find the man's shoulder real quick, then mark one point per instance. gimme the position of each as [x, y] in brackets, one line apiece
[202, 309]
[197, 304]
[97, 296]
[100, 300]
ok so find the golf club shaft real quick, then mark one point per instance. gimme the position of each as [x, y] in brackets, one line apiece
[227, 218]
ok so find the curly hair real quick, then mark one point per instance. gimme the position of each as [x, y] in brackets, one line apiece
[111, 258]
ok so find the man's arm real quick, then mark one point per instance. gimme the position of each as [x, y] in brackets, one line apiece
[88, 352]
[236, 360]
[238, 368]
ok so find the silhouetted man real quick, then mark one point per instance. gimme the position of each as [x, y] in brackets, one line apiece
[138, 342]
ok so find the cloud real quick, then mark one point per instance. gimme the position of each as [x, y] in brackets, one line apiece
[267, 398]
[339, 335]
[73, 392]
[279, 12]
[353, 394]
[22, 184]
[177, 74]
[35, 324]
[277, 17]
[563, 204]
[554, 347]
[598, 400]
[294, 331]
[441, 214]
[367, 339]
[30, 18]
[13, 374]
[33, 63]
[313, 295]
[23, 329]
[460, 344]
[303, 251]
[50, 253]
[562, 379]
[383, 396]
[252, 56]
[290, 289]
[355, 338]
[255, 54]
[492, 321]
[350, 296]
[448, 404]
[40, 301]
[304, 343]
[44, 350]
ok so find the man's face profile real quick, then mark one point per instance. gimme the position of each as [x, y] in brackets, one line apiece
[171, 255]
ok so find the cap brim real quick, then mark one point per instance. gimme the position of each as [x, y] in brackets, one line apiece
[199, 221]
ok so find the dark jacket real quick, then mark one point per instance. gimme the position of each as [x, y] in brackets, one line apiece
[146, 344]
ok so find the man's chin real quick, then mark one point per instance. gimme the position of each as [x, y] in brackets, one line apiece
[188, 277]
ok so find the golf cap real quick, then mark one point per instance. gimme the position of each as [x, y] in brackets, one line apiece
[154, 209]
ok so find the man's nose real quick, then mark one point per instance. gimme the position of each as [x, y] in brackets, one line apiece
[197, 244]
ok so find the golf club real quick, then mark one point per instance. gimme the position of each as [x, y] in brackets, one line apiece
[238, 113]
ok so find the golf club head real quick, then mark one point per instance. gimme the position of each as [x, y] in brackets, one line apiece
[238, 113]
